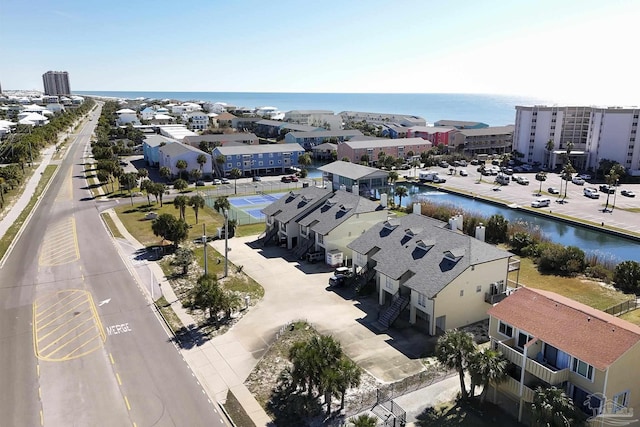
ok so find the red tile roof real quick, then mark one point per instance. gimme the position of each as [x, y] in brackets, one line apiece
[591, 335]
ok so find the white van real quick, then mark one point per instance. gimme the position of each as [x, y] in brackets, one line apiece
[541, 203]
[591, 193]
[502, 179]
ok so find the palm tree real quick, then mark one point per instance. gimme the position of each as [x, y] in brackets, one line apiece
[202, 160]
[180, 202]
[549, 148]
[196, 203]
[182, 165]
[401, 191]
[220, 161]
[453, 350]
[221, 203]
[195, 174]
[486, 367]
[206, 294]
[165, 172]
[364, 420]
[143, 173]
[235, 174]
[541, 176]
[304, 160]
[350, 375]
[553, 408]
[567, 174]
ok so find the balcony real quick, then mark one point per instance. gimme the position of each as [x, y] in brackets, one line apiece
[494, 298]
[535, 368]
[512, 387]
[514, 265]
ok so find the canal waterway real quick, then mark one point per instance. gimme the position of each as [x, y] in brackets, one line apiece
[605, 245]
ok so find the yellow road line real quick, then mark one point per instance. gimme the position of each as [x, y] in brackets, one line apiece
[82, 345]
[111, 357]
[69, 342]
[42, 337]
[71, 294]
[42, 350]
[95, 316]
[60, 304]
[66, 312]
[119, 380]
[41, 418]
[127, 402]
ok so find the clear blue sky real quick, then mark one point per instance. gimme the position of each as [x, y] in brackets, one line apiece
[558, 49]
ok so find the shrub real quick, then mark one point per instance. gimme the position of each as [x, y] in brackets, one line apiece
[497, 229]
[627, 276]
[600, 272]
[555, 258]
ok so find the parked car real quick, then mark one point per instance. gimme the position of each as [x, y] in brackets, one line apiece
[224, 180]
[285, 179]
[540, 203]
[199, 183]
[463, 172]
[585, 176]
[591, 193]
[340, 276]
[553, 190]
[293, 178]
[217, 181]
[607, 189]
[257, 178]
[527, 167]
[628, 193]
[577, 180]
[523, 181]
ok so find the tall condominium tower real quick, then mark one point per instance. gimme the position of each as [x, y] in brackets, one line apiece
[56, 83]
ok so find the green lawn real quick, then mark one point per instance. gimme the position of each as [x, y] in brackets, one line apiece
[577, 288]
[632, 316]
[133, 219]
[115, 232]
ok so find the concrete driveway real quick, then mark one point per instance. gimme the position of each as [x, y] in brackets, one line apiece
[297, 290]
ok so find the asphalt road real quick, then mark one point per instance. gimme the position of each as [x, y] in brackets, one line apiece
[80, 344]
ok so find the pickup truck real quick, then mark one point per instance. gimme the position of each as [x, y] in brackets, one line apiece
[340, 276]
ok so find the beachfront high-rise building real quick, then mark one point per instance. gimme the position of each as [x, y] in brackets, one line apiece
[597, 133]
[56, 83]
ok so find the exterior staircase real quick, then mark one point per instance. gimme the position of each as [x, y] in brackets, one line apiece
[389, 316]
[268, 237]
[364, 277]
[303, 248]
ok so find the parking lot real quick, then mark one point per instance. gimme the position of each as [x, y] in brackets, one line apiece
[623, 212]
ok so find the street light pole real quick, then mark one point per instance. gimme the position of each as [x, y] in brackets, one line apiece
[204, 240]
[615, 193]
[226, 243]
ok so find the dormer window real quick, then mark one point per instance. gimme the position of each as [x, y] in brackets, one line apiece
[388, 225]
[330, 202]
[425, 245]
[454, 255]
[345, 208]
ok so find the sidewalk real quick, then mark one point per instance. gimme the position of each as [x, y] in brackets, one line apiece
[14, 210]
[207, 360]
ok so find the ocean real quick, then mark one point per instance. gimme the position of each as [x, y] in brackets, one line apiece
[494, 110]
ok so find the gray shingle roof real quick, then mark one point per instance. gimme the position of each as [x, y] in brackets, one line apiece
[413, 247]
[336, 210]
[296, 203]
[351, 170]
[220, 137]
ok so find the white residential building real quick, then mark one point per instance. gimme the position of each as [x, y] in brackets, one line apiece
[597, 133]
[127, 115]
[382, 118]
[317, 118]
[196, 120]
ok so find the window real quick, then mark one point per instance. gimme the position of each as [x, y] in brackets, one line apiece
[422, 300]
[479, 288]
[462, 292]
[505, 329]
[582, 368]
[523, 338]
[388, 283]
[621, 400]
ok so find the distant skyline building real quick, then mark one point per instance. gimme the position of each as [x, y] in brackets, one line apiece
[56, 83]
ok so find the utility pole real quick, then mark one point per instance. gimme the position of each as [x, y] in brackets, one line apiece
[204, 240]
[226, 243]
